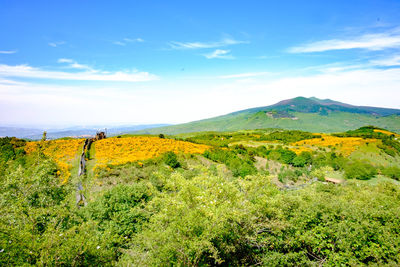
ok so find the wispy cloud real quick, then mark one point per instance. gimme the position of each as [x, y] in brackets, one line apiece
[244, 75]
[73, 64]
[387, 62]
[25, 71]
[375, 41]
[8, 52]
[55, 44]
[119, 43]
[202, 45]
[135, 40]
[219, 53]
[126, 41]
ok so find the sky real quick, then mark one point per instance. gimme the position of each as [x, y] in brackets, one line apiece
[66, 63]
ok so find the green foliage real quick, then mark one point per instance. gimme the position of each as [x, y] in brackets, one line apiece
[10, 148]
[330, 225]
[304, 158]
[288, 175]
[281, 154]
[321, 172]
[171, 160]
[40, 226]
[199, 222]
[289, 136]
[119, 211]
[360, 170]
[392, 172]
[240, 166]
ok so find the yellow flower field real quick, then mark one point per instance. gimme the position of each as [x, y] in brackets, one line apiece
[63, 152]
[345, 145]
[117, 151]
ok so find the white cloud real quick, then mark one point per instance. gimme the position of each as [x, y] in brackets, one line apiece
[387, 62]
[119, 43]
[202, 45]
[375, 41]
[219, 53]
[74, 65]
[55, 44]
[158, 102]
[125, 41]
[65, 60]
[8, 52]
[244, 75]
[138, 40]
[25, 71]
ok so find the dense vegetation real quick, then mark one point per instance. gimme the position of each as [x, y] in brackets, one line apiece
[244, 201]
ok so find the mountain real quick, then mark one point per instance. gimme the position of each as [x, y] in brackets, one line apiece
[300, 113]
[19, 131]
[76, 131]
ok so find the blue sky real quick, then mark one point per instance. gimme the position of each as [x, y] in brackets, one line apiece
[178, 61]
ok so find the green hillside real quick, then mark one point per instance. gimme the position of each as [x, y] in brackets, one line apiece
[313, 122]
[300, 113]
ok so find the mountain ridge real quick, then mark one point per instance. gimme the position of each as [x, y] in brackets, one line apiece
[299, 113]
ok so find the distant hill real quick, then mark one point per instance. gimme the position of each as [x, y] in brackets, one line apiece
[300, 113]
[19, 131]
[77, 131]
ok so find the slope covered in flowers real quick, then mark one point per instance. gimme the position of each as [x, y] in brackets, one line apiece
[63, 152]
[344, 145]
[386, 132]
[118, 151]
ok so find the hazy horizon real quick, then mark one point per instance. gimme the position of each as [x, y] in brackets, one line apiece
[91, 63]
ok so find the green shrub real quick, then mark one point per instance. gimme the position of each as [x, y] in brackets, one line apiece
[171, 160]
[360, 170]
[392, 172]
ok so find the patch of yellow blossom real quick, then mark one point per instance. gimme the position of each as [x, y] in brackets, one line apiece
[63, 152]
[344, 145]
[385, 132]
[299, 149]
[116, 151]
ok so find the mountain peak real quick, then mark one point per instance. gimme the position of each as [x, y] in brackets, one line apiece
[321, 106]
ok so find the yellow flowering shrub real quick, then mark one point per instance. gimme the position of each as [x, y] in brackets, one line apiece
[116, 151]
[345, 145]
[63, 152]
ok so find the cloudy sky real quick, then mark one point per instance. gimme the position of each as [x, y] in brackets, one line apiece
[133, 62]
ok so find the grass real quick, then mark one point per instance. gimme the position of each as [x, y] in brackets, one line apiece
[370, 152]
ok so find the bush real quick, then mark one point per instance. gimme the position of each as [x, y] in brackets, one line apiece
[360, 170]
[240, 166]
[304, 158]
[171, 160]
[321, 172]
[392, 172]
